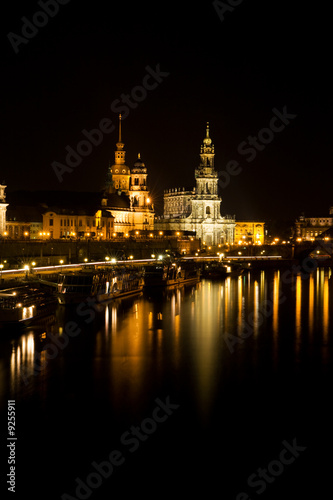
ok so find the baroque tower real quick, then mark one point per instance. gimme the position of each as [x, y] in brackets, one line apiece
[119, 172]
[139, 193]
[206, 203]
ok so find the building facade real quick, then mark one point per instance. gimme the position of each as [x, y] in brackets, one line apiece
[252, 233]
[309, 228]
[3, 208]
[67, 223]
[199, 210]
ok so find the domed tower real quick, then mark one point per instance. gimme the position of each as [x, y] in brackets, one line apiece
[205, 174]
[119, 172]
[139, 193]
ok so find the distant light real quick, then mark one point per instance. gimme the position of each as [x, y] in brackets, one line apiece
[148, 200]
[107, 258]
[113, 261]
[131, 256]
[26, 268]
[153, 256]
[160, 257]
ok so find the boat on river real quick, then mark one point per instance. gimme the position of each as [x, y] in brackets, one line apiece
[100, 284]
[23, 305]
[170, 275]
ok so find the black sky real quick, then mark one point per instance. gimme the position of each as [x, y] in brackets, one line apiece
[264, 55]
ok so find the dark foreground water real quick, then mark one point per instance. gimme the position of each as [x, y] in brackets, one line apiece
[222, 389]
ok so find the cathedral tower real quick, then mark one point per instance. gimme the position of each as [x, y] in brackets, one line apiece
[139, 193]
[119, 172]
[206, 203]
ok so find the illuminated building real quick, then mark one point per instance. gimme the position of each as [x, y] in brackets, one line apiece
[309, 228]
[126, 195]
[199, 210]
[23, 222]
[250, 232]
[3, 208]
[79, 223]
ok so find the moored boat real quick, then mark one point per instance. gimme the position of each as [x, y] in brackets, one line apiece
[99, 284]
[170, 275]
[22, 305]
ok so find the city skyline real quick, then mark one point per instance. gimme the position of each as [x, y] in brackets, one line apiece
[168, 76]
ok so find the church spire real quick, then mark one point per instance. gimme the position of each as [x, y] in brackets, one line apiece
[207, 150]
[207, 130]
[119, 127]
[120, 145]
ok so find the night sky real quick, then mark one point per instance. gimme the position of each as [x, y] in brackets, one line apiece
[231, 72]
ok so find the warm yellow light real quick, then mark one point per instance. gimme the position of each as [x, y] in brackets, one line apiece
[86, 260]
[148, 200]
[136, 232]
[161, 232]
[61, 261]
[114, 234]
[5, 233]
[126, 235]
[88, 234]
[151, 235]
[131, 256]
[153, 256]
[26, 268]
[107, 258]
[33, 263]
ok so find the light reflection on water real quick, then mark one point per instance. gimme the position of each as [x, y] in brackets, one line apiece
[134, 346]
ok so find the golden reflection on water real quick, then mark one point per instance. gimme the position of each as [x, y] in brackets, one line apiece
[311, 303]
[298, 307]
[276, 301]
[165, 333]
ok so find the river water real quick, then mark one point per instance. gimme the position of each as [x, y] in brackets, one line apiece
[168, 394]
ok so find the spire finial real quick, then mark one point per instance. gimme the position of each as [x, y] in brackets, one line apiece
[207, 130]
[119, 127]
[139, 156]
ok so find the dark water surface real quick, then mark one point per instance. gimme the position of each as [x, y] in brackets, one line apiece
[199, 390]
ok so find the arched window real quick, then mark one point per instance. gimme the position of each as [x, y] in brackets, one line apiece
[207, 210]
